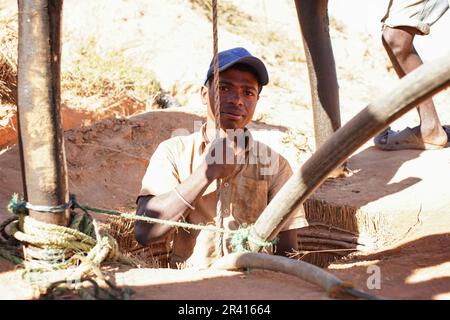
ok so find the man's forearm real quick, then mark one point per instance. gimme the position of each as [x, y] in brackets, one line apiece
[169, 206]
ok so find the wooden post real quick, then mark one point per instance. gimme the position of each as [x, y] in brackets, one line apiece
[313, 19]
[41, 137]
[415, 87]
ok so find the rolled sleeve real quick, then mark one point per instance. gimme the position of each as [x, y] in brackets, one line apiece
[162, 174]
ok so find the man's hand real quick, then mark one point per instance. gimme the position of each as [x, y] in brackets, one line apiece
[225, 157]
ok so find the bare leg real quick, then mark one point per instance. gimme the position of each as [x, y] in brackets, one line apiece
[398, 43]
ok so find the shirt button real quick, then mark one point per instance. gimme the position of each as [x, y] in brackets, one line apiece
[226, 184]
[226, 211]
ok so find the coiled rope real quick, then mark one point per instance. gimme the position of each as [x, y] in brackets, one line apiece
[72, 251]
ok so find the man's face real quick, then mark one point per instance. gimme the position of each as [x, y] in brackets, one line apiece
[239, 93]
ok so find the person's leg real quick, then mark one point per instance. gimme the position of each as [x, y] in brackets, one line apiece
[398, 43]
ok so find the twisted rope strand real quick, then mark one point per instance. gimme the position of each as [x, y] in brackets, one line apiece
[219, 215]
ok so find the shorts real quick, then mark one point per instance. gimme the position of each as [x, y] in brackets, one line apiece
[419, 14]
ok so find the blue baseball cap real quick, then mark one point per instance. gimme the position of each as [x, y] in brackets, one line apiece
[239, 55]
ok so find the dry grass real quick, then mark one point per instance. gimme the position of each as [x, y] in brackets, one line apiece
[238, 22]
[299, 141]
[93, 73]
[107, 74]
[285, 50]
[156, 255]
[262, 117]
[8, 59]
[338, 25]
[228, 14]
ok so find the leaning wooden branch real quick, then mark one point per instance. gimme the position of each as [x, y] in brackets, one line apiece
[420, 84]
[305, 271]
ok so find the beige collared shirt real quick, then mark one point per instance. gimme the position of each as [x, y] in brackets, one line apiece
[243, 197]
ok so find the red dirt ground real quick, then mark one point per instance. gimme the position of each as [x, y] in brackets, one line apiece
[111, 155]
[107, 158]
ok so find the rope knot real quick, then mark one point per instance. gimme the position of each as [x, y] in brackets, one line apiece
[17, 206]
[242, 237]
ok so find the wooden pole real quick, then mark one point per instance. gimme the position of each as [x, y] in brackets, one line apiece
[41, 136]
[415, 87]
[313, 19]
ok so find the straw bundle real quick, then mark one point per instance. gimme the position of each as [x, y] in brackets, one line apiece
[8, 60]
[156, 255]
[334, 231]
